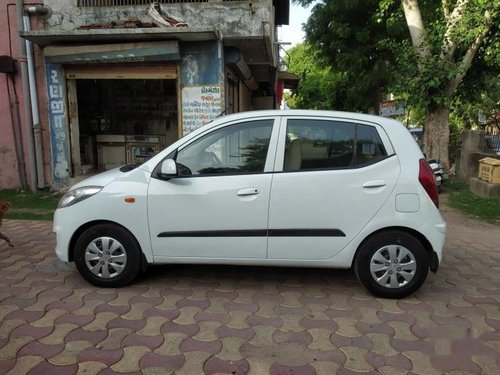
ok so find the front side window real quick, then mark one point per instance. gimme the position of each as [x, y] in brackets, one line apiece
[234, 149]
[321, 144]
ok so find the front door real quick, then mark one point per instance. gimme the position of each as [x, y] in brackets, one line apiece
[335, 177]
[217, 207]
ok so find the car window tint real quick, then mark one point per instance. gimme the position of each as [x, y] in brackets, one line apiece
[321, 144]
[369, 146]
[318, 144]
[240, 148]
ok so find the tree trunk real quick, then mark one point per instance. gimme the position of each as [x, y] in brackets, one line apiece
[437, 135]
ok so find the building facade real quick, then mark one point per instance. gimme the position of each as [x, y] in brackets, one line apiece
[114, 81]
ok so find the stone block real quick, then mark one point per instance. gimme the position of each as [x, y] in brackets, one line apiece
[484, 189]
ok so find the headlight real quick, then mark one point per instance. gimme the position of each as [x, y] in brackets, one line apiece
[78, 195]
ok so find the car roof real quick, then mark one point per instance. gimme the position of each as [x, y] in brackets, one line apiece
[305, 112]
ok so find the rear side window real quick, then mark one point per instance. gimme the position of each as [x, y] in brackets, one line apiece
[321, 144]
[369, 146]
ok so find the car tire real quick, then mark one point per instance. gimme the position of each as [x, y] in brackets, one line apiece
[392, 264]
[107, 255]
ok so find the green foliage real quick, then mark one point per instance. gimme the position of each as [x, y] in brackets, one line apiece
[30, 206]
[368, 41]
[461, 198]
[319, 87]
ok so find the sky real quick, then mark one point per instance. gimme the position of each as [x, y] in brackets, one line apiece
[293, 33]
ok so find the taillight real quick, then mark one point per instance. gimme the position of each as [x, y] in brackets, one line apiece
[428, 181]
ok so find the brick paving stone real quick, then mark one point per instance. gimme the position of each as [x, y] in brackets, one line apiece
[201, 304]
[208, 331]
[29, 330]
[224, 331]
[70, 352]
[11, 349]
[135, 325]
[381, 344]
[131, 359]
[8, 364]
[347, 327]
[303, 337]
[7, 326]
[253, 320]
[356, 359]
[279, 369]
[90, 368]
[250, 307]
[325, 368]
[204, 316]
[114, 338]
[21, 365]
[109, 357]
[79, 320]
[171, 344]
[153, 325]
[47, 368]
[163, 362]
[230, 350]
[256, 320]
[150, 342]
[28, 316]
[80, 334]
[192, 345]
[107, 308]
[194, 363]
[187, 329]
[215, 365]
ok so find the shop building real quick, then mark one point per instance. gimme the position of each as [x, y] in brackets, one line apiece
[118, 80]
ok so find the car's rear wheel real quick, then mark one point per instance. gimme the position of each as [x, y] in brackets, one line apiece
[107, 255]
[392, 264]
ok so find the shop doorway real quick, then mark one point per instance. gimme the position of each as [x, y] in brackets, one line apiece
[120, 121]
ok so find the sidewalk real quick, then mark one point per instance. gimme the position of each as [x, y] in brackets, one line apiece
[248, 320]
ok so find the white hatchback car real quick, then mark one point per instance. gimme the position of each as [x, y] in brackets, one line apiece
[281, 188]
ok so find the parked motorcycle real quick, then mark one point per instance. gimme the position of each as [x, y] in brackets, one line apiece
[438, 170]
[441, 177]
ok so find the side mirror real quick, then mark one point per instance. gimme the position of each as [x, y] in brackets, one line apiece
[169, 168]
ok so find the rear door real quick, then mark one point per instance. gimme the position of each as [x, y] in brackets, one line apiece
[332, 176]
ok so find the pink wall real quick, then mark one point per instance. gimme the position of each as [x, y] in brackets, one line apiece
[9, 45]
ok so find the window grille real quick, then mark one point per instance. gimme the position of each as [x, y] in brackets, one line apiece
[114, 3]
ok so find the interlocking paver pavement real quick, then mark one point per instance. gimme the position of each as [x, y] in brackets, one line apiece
[237, 320]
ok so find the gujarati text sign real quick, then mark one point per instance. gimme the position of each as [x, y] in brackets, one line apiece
[200, 104]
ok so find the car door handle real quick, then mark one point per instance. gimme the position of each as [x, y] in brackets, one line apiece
[374, 184]
[248, 191]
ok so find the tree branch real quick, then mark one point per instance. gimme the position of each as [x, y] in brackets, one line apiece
[445, 9]
[466, 62]
[416, 27]
[449, 46]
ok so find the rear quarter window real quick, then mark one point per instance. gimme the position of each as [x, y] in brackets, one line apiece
[322, 144]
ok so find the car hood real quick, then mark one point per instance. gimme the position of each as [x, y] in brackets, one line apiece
[101, 179]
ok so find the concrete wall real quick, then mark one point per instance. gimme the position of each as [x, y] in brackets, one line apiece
[10, 167]
[241, 18]
[470, 154]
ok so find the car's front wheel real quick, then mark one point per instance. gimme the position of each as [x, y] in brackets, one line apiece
[392, 264]
[107, 255]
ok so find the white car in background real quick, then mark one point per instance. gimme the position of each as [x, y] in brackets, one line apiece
[280, 188]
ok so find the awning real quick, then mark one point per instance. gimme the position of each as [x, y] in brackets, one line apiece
[96, 36]
[114, 53]
[290, 80]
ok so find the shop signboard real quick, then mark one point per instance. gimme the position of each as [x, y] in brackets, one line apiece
[200, 105]
[58, 124]
[392, 108]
